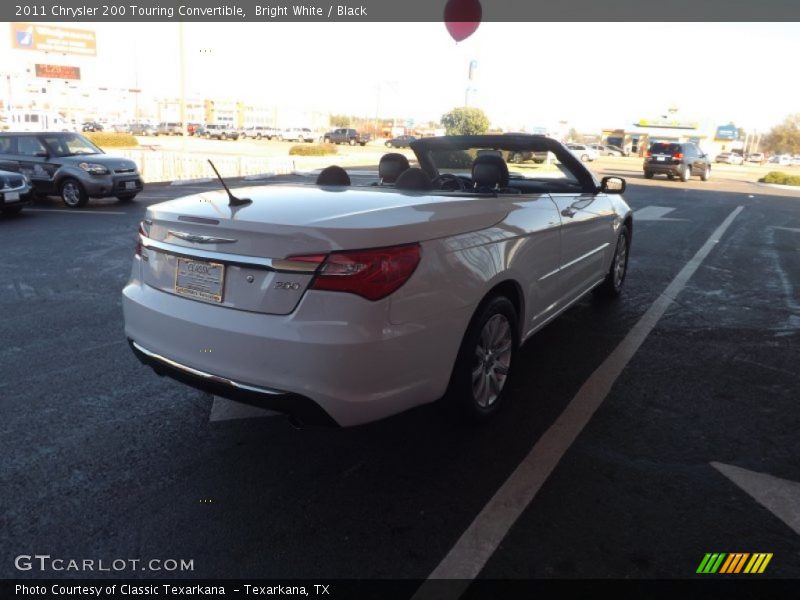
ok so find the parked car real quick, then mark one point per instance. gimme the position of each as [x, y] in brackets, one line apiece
[781, 159]
[729, 158]
[676, 159]
[69, 165]
[297, 134]
[622, 151]
[582, 151]
[603, 150]
[191, 128]
[259, 132]
[758, 158]
[15, 191]
[169, 128]
[344, 135]
[401, 141]
[142, 129]
[91, 126]
[343, 305]
[795, 160]
[217, 131]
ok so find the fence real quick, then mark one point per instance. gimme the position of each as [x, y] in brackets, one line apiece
[161, 165]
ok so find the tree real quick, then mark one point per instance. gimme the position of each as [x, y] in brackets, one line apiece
[465, 121]
[784, 138]
[340, 121]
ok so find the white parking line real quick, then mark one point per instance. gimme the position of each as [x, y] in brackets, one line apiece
[75, 212]
[654, 213]
[483, 536]
[779, 496]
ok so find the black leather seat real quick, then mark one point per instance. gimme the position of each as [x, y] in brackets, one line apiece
[333, 175]
[413, 180]
[489, 173]
[391, 166]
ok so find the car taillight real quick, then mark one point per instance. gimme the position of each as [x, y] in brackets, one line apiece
[677, 156]
[648, 154]
[372, 274]
[144, 231]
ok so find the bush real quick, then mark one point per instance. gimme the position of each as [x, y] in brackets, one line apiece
[111, 139]
[313, 150]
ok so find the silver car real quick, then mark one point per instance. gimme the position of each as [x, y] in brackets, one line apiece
[344, 304]
[70, 166]
[15, 192]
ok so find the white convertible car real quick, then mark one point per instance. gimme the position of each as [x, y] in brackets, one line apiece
[341, 304]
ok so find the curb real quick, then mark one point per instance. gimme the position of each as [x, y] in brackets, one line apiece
[191, 181]
[778, 186]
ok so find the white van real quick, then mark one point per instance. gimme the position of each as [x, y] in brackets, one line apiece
[37, 120]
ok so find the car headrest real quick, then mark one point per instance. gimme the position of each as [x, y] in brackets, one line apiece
[333, 175]
[489, 170]
[391, 166]
[413, 179]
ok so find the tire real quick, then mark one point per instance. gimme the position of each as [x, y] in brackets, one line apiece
[584, 157]
[387, 144]
[612, 284]
[362, 144]
[686, 173]
[706, 174]
[352, 142]
[648, 174]
[670, 176]
[72, 193]
[126, 197]
[479, 382]
[10, 211]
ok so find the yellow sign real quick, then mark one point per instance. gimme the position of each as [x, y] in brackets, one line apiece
[56, 39]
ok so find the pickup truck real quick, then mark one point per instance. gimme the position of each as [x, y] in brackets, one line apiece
[347, 136]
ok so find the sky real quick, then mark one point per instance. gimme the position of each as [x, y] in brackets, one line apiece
[592, 75]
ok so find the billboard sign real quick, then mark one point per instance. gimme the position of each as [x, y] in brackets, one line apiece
[51, 38]
[58, 72]
[727, 133]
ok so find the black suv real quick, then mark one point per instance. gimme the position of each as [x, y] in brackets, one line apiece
[675, 159]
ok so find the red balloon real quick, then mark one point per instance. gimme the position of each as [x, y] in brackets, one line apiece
[462, 17]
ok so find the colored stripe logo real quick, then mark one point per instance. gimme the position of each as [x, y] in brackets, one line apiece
[734, 563]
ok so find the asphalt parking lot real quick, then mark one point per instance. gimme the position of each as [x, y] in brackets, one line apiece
[691, 449]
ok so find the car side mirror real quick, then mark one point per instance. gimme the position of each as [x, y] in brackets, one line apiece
[612, 185]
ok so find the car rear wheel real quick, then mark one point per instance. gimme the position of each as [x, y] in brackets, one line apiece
[478, 384]
[648, 174]
[706, 174]
[686, 173]
[584, 157]
[612, 284]
[72, 193]
[352, 142]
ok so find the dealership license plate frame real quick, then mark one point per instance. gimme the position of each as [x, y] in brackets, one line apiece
[183, 279]
[130, 185]
[10, 197]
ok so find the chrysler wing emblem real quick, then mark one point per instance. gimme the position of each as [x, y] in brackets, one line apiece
[201, 239]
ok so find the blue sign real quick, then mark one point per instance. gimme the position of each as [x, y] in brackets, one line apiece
[728, 133]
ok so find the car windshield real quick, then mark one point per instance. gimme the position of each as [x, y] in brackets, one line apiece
[69, 144]
[663, 148]
[533, 163]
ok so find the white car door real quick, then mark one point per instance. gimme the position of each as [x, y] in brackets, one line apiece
[587, 241]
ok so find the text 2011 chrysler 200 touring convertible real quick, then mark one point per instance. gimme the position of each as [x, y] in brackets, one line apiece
[344, 304]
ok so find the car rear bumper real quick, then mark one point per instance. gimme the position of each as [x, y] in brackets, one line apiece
[664, 169]
[337, 351]
[300, 409]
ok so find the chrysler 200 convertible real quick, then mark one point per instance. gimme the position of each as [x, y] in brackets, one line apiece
[343, 304]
